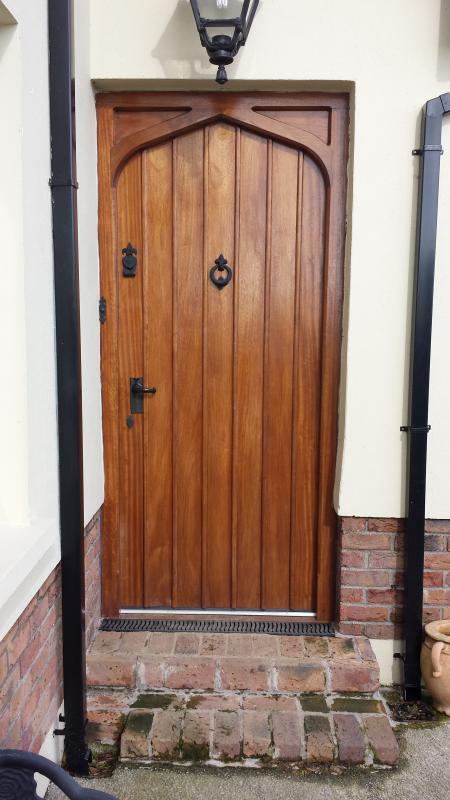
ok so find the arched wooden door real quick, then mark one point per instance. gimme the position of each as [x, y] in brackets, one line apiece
[219, 485]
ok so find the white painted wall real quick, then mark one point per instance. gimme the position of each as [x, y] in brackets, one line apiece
[29, 528]
[393, 57]
[86, 132]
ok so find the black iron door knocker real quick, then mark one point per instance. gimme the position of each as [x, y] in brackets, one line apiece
[220, 266]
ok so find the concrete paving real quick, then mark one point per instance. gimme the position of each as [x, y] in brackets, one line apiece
[423, 774]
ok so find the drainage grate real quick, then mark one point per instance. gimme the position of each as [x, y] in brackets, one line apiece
[218, 626]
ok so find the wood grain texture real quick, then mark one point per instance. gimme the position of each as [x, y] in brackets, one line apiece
[109, 365]
[249, 292]
[131, 364]
[238, 447]
[187, 369]
[278, 376]
[307, 384]
[220, 174]
[158, 349]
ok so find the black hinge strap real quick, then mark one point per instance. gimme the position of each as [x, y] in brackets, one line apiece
[102, 310]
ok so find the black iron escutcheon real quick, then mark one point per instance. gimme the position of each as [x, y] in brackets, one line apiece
[221, 265]
[129, 261]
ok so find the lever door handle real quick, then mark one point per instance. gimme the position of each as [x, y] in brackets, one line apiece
[138, 388]
[137, 391]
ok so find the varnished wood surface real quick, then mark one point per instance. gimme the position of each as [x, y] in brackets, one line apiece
[220, 495]
[131, 364]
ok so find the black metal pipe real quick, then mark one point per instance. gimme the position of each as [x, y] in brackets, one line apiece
[430, 153]
[67, 323]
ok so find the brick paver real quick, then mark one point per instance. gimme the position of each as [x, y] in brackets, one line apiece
[135, 742]
[227, 735]
[287, 735]
[196, 735]
[244, 674]
[349, 675]
[257, 734]
[319, 740]
[193, 673]
[382, 740]
[298, 676]
[350, 739]
[166, 734]
[111, 669]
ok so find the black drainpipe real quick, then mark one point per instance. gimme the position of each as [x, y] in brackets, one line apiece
[67, 323]
[430, 153]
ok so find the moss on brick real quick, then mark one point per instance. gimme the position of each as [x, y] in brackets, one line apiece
[314, 723]
[195, 702]
[140, 722]
[347, 645]
[314, 702]
[154, 701]
[193, 751]
[358, 705]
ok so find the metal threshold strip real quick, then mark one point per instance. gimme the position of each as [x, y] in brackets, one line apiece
[274, 627]
[218, 612]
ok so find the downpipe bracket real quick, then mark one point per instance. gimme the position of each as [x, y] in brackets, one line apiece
[428, 148]
[412, 429]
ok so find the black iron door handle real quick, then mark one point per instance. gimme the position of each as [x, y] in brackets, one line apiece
[137, 391]
[138, 388]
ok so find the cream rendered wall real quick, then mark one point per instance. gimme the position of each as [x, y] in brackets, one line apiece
[29, 508]
[392, 56]
[29, 493]
[86, 134]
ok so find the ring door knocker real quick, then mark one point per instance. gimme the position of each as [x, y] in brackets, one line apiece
[221, 265]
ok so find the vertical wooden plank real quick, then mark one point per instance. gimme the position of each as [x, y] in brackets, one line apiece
[109, 367]
[188, 378]
[248, 383]
[157, 271]
[280, 290]
[307, 385]
[129, 229]
[331, 361]
[220, 165]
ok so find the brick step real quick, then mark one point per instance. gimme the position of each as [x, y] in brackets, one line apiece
[232, 662]
[186, 727]
[234, 697]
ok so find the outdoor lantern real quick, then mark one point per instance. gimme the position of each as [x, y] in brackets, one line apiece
[232, 19]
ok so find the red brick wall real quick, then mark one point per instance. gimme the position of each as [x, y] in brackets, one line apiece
[92, 546]
[31, 688]
[370, 578]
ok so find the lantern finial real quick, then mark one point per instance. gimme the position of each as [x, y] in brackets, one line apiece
[223, 47]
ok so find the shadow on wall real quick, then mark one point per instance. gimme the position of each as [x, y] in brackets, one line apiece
[443, 65]
[179, 49]
[6, 35]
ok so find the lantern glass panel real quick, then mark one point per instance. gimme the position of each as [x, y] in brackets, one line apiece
[220, 9]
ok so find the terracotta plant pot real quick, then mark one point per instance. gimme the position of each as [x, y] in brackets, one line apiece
[435, 663]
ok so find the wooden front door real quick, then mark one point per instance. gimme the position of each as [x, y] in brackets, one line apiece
[219, 485]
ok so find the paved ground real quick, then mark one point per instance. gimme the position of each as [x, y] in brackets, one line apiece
[424, 774]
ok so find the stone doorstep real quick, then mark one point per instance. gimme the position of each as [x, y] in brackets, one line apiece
[232, 662]
[232, 728]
